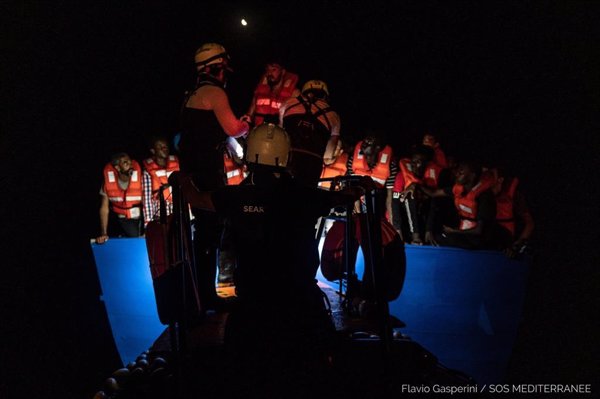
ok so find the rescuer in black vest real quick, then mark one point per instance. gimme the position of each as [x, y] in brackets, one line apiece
[206, 120]
[279, 323]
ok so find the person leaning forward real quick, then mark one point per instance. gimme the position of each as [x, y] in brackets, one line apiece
[121, 193]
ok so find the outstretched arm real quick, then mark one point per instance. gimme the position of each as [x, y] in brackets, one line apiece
[103, 237]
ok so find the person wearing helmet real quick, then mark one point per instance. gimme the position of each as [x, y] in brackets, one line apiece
[272, 219]
[206, 121]
[314, 128]
[274, 88]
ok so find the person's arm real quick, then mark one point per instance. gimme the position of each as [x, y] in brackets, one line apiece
[252, 108]
[219, 103]
[433, 192]
[103, 237]
[282, 113]
[328, 156]
[521, 211]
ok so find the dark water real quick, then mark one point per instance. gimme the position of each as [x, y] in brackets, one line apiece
[516, 84]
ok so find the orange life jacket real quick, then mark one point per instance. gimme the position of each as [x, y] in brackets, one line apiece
[269, 102]
[466, 203]
[429, 179]
[125, 203]
[380, 172]
[234, 173]
[338, 168]
[160, 175]
[504, 205]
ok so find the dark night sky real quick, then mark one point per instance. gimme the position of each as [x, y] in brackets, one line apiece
[513, 82]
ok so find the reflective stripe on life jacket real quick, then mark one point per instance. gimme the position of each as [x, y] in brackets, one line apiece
[381, 172]
[234, 173]
[268, 102]
[466, 203]
[505, 205]
[338, 168]
[126, 203]
[160, 175]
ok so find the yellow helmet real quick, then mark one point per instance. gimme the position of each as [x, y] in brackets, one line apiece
[211, 54]
[269, 145]
[315, 85]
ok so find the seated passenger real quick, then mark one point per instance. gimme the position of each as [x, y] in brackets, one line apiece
[476, 207]
[512, 213]
[411, 208]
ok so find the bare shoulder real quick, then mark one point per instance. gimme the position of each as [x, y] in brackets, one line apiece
[205, 97]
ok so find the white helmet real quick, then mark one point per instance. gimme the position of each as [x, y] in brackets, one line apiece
[315, 85]
[211, 54]
[269, 145]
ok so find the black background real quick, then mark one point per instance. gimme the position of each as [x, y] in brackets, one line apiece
[514, 83]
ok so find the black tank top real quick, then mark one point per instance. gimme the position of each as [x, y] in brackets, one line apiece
[200, 148]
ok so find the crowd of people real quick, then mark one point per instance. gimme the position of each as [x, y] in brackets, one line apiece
[257, 184]
[430, 198]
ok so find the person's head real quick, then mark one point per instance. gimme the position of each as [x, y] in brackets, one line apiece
[212, 59]
[159, 148]
[420, 156]
[370, 148]
[122, 163]
[468, 173]
[502, 177]
[274, 72]
[267, 148]
[315, 90]
[430, 140]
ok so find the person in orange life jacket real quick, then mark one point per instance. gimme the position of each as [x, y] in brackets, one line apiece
[157, 170]
[475, 203]
[371, 157]
[412, 209]
[275, 86]
[314, 128]
[336, 164]
[121, 193]
[512, 213]
[439, 157]
[206, 120]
